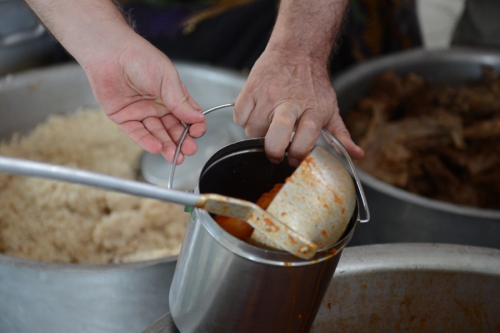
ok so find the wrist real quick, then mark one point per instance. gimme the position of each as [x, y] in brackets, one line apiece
[308, 28]
[287, 56]
[85, 28]
[296, 52]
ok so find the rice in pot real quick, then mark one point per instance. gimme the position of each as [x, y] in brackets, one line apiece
[59, 222]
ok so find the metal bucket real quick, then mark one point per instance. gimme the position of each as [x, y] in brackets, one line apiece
[401, 216]
[222, 284]
[411, 288]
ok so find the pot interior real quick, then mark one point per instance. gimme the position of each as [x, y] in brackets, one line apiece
[413, 288]
[242, 170]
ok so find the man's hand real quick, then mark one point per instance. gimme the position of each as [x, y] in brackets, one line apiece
[135, 83]
[289, 87]
[140, 90]
[284, 93]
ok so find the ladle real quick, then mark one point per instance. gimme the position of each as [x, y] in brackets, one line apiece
[258, 218]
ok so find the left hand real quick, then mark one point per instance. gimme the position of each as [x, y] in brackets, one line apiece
[140, 90]
[286, 92]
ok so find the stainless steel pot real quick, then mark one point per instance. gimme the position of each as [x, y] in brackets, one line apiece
[224, 285]
[409, 288]
[400, 216]
[46, 297]
[413, 288]
[24, 42]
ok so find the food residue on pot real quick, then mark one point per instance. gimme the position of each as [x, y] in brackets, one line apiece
[241, 229]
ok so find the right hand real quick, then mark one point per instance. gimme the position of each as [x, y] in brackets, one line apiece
[286, 92]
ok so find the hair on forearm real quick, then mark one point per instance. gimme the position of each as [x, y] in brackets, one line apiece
[337, 41]
[338, 38]
[127, 15]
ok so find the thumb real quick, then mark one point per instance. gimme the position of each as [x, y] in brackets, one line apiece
[180, 103]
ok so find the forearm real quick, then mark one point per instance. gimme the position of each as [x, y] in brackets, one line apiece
[86, 28]
[308, 28]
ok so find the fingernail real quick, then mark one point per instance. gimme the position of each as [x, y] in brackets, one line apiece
[293, 162]
[274, 161]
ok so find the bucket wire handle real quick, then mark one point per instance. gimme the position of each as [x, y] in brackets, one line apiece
[183, 137]
[354, 173]
[324, 131]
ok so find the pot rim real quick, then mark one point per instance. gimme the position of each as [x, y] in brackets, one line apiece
[363, 259]
[270, 256]
[416, 56]
[15, 261]
[249, 251]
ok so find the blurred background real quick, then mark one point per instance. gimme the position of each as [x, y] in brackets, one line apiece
[233, 33]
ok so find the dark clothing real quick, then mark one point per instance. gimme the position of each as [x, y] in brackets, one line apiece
[237, 36]
[234, 33]
[232, 38]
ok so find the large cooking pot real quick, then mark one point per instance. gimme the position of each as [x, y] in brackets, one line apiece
[48, 297]
[24, 42]
[398, 215]
[409, 288]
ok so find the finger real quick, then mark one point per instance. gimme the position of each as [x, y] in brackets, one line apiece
[197, 130]
[337, 127]
[170, 155]
[173, 127]
[175, 130]
[141, 136]
[189, 146]
[243, 107]
[169, 152]
[138, 111]
[190, 99]
[306, 135]
[281, 128]
[257, 125]
[156, 128]
[179, 103]
[260, 119]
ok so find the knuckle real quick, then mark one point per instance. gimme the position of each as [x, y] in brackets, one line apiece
[300, 152]
[310, 124]
[275, 152]
[238, 119]
[284, 118]
[253, 131]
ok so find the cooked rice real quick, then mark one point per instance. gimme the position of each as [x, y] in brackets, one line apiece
[59, 222]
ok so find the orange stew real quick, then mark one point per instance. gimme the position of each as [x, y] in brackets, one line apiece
[241, 229]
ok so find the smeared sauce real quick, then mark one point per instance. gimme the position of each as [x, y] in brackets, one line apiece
[241, 229]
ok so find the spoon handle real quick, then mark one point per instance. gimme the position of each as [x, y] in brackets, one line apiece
[79, 176]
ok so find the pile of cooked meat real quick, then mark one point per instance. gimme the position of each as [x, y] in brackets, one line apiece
[438, 141]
